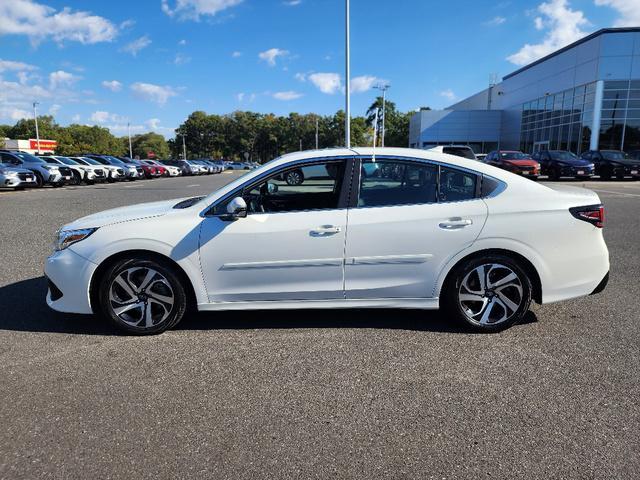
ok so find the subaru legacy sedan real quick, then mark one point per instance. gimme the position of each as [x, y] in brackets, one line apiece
[425, 230]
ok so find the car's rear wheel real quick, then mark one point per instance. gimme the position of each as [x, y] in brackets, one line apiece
[488, 294]
[77, 179]
[294, 177]
[142, 296]
[39, 179]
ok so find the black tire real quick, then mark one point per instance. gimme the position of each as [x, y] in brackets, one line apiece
[493, 298]
[137, 269]
[77, 179]
[39, 179]
[554, 175]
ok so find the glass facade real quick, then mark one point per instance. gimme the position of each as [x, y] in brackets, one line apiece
[560, 121]
[620, 123]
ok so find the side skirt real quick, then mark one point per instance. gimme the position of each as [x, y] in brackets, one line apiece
[413, 303]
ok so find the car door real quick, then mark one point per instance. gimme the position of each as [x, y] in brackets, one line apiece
[410, 218]
[291, 244]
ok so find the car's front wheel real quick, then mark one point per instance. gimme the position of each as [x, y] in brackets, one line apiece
[488, 294]
[142, 296]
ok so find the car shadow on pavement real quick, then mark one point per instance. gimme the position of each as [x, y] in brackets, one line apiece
[24, 309]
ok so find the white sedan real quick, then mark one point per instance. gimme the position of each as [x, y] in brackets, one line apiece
[420, 230]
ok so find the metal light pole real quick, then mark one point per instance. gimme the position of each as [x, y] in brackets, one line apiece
[35, 117]
[347, 109]
[129, 131]
[383, 88]
[184, 147]
[316, 134]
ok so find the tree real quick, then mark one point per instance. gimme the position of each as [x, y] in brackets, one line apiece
[145, 144]
[396, 123]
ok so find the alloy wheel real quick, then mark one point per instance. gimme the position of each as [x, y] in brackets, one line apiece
[141, 297]
[490, 294]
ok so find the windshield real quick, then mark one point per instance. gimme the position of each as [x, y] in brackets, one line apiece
[464, 152]
[614, 155]
[114, 160]
[51, 160]
[90, 161]
[68, 161]
[562, 155]
[28, 158]
[515, 156]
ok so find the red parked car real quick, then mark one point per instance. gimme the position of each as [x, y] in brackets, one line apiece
[514, 162]
[160, 171]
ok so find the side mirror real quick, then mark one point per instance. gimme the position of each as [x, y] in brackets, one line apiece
[237, 208]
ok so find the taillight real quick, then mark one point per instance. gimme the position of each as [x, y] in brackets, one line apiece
[594, 214]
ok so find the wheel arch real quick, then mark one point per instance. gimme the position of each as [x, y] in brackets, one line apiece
[525, 263]
[138, 253]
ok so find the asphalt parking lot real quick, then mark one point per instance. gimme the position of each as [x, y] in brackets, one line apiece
[313, 394]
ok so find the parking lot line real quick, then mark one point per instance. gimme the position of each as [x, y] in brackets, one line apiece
[624, 194]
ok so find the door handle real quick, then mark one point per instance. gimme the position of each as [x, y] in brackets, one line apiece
[455, 223]
[325, 230]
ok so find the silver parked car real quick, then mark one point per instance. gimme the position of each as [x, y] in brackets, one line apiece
[16, 177]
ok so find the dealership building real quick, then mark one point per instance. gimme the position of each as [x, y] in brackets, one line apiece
[585, 96]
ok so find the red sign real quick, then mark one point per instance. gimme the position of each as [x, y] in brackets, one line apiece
[151, 155]
[44, 144]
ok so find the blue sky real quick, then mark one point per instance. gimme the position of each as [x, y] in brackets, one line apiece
[152, 62]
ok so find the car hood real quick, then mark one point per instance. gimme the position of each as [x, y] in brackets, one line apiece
[626, 163]
[9, 168]
[521, 163]
[124, 214]
[574, 163]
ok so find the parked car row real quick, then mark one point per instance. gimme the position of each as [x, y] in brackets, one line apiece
[20, 169]
[557, 164]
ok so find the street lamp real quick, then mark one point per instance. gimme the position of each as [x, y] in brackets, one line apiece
[383, 87]
[129, 132]
[35, 117]
[347, 109]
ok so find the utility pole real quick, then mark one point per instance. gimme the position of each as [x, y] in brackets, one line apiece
[316, 133]
[347, 109]
[184, 147]
[383, 88]
[300, 144]
[35, 117]
[129, 131]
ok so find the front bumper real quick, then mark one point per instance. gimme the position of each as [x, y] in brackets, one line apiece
[20, 181]
[71, 275]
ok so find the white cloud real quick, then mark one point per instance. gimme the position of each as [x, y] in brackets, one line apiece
[270, 56]
[39, 22]
[138, 44]
[288, 95]
[182, 42]
[242, 97]
[236, 54]
[181, 59]
[292, 3]
[153, 93]
[495, 21]
[127, 24]
[563, 27]
[14, 114]
[629, 11]
[153, 123]
[113, 85]
[193, 9]
[55, 108]
[62, 79]
[328, 83]
[76, 118]
[104, 117]
[301, 77]
[448, 94]
[9, 65]
[364, 83]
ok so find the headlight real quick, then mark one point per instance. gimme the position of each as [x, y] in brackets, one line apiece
[65, 238]
[8, 173]
[51, 168]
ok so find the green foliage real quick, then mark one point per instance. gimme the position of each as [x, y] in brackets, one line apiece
[396, 123]
[143, 145]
